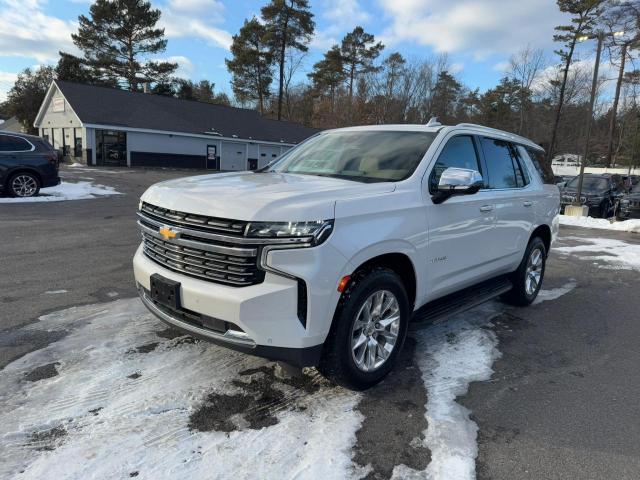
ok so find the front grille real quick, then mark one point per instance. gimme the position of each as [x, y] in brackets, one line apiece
[196, 222]
[199, 256]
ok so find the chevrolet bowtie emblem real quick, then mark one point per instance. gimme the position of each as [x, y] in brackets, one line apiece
[167, 233]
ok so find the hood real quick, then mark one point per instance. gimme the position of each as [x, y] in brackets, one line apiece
[585, 191]
[259, 196]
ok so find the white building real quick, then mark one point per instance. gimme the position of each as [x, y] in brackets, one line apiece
[106, 126]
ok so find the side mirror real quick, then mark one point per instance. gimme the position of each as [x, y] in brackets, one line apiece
[457, 181]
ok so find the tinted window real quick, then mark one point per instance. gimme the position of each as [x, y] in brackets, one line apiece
[501, 161]
[365, 156]
[538, 159]
[590, 183]
[459, 152]
[9, 143]
[522, 175]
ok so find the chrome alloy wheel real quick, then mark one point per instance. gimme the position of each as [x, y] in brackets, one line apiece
[375, 331]
[534, 271]
[24, 186]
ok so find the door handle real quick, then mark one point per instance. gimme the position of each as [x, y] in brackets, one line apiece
[527, 203]
[486, 208]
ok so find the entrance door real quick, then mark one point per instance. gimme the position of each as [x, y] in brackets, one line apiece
[213, 162]
[233, 156]
[111, 148]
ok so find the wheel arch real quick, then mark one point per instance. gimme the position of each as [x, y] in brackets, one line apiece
[401, 264]
[22, 169]
[544, 232]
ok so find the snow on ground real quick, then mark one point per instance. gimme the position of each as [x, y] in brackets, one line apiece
[123, 399]
[451, 355]
[66, 191]
[616, 253]
[632, 225]
[554, 293]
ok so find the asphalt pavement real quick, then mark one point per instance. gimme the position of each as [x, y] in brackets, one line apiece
[562, 401]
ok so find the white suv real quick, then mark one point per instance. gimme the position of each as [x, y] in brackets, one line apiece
[326, 256]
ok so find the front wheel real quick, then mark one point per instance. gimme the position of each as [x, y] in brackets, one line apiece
[369, 330]
[527, 279]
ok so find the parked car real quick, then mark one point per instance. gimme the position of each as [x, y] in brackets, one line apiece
[630, 204]
[562, 180]
[324, 257]
[27, 164]
[600, 192]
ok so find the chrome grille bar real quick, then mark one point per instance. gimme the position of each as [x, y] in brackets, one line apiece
[201, 254]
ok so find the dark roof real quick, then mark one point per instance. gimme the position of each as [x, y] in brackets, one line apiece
[110, 106]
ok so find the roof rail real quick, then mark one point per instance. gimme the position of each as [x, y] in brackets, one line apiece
[496, 131]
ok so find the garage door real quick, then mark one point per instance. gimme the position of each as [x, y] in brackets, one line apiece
[233, 156]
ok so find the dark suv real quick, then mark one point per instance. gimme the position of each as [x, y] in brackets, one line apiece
[601, 193]
[27, 163]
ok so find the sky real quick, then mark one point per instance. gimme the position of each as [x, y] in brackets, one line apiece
[478, 36]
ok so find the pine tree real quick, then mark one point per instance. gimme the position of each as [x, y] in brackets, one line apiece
[358, 53]
[118, 37]
[446, 93]
[328, 73]
[251, 64]
[584, 15]
[289, 25]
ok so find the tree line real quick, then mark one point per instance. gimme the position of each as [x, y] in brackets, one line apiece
[358, 81]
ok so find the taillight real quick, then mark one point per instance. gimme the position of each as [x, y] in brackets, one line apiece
[52, 158]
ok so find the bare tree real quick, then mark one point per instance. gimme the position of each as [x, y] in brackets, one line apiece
[525, 68]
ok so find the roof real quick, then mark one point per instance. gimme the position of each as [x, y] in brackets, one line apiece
[11, 125]
[445, 128]
[122, 108]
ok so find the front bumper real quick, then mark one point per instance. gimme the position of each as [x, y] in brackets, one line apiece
[299, 357]
[266, 314]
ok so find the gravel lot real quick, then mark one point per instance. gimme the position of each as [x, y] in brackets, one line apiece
[103, 390]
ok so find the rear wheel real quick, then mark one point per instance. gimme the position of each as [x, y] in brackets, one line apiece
[368, 331]
[24, 184]
[527, 279]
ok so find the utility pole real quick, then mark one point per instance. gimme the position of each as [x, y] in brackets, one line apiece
[594, 86]
[614, 108]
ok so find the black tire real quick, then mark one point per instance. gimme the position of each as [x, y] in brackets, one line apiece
[605, 208]
[519, 295]
[338, 362]
[17, 185]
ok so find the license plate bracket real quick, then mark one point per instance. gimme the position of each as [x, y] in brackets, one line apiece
[165, 291]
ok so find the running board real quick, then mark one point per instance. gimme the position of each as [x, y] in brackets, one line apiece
[459, 302]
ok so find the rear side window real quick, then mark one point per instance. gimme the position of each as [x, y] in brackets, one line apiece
[459, 152]
[502, 164]
[10, 143]
[538, 160]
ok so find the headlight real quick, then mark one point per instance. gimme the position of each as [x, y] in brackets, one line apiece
[319, 230]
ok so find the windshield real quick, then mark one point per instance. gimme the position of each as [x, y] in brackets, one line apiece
[590, 183]
[371, 156]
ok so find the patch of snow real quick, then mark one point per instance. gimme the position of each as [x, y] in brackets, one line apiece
[554, 293]
[76, 164]
[117, 424]
[55, 292]
[632, 225]
[619, 254]
[66, 191]
[112, 294]
[451, 355]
